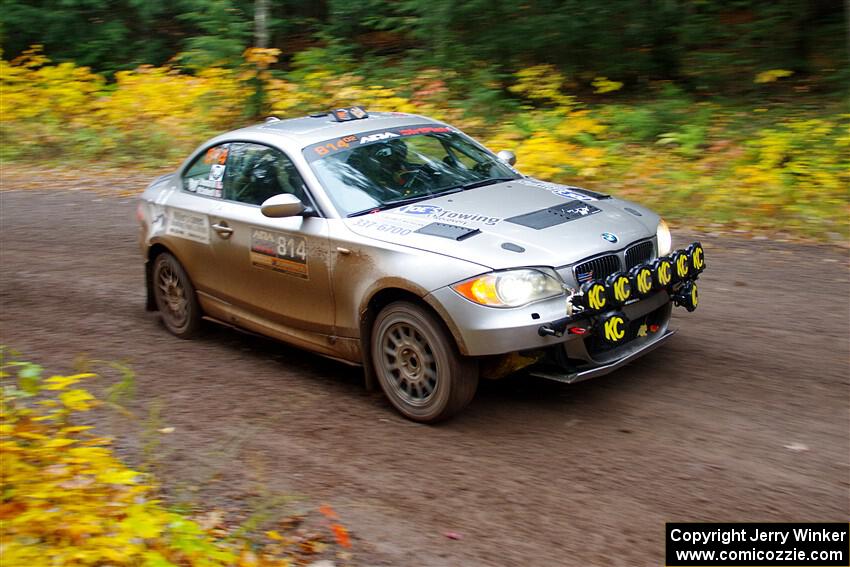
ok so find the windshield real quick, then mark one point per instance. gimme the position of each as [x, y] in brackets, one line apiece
[392, 167]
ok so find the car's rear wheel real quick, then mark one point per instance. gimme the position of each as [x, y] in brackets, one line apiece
[175, 297]
[418, 365]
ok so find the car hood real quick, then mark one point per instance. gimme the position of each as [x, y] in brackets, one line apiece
[524, 222]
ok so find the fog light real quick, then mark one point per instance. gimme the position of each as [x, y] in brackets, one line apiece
[681, 265]
[662, 269]
[614, 327]
[642, 281]
[696, 258]
[619, 288]
[687, 296]
[593, 297]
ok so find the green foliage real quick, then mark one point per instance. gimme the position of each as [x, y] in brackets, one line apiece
[222, 32]
[707, 46]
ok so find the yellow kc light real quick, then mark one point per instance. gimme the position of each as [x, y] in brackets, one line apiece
[619, 288]
[688, 296]
[696, 257]
[614, 327]
[681, 265]
[663, 270]
[642, 280]
[593, 296]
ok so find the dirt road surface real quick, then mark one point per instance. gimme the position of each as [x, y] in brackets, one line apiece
[743, 416]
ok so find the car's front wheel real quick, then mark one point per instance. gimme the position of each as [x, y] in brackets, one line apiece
[418, 365]
[175, 297]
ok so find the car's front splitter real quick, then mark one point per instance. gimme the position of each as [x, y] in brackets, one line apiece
[571, 377]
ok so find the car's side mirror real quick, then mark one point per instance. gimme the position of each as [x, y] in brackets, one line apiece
[507, 156]
[283, 205]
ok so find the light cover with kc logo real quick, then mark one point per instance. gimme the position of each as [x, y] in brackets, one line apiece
[614, 327]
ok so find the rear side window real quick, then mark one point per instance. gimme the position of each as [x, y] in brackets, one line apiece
[256, 172]
[205, 176]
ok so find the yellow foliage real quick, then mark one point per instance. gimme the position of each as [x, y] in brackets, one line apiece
[542, 84]
[604, 85]
[772, 75]
[66, 500]
[792, 176]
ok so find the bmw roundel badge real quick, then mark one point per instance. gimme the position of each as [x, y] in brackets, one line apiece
[609, 237]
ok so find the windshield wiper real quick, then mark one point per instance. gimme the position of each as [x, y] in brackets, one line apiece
[483, 182]
[400, 202]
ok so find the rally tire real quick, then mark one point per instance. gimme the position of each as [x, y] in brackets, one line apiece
[175, 297]
[418, 365]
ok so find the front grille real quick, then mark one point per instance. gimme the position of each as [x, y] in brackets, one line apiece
[597, 268]
[638, 254]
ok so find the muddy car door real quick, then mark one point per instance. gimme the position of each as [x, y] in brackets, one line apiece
[181, 217]
[275, 270]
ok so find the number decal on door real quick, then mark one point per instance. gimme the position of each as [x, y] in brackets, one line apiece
[279, 252]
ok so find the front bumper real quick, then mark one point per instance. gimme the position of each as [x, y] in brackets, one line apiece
[486, 331]
[585, 335]
[572, 376]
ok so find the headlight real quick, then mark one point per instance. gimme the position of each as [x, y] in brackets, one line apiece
[511, 288]
[665, 239]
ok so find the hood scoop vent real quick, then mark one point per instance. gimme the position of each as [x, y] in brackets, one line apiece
[553, 216]
[450, 231]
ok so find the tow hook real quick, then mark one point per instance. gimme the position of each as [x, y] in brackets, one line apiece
[548, 331]
[557, 329]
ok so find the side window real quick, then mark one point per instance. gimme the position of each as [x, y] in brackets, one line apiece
[206, 174]
[256, 172]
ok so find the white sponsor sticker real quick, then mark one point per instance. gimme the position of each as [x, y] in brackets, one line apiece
[279, 252]
[377, 137]
[217, 172]
[191, 226]
[564, 191]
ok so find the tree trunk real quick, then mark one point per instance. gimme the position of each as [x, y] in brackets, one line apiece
[261, 28]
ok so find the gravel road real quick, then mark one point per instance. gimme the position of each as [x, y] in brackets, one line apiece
[742, 416]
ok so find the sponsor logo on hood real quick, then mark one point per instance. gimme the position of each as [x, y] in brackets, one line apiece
[436, 212]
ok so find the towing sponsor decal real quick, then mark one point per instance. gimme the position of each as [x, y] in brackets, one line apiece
[435, 212]
[191, 226]
[285, 253]
[329, 147]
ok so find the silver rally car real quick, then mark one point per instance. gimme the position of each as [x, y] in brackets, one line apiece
[398, 243]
